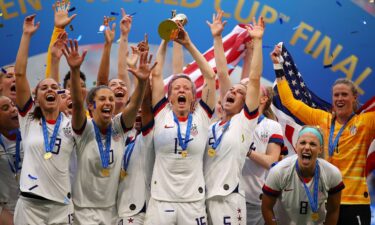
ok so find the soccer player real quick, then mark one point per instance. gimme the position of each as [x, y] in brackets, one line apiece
[229, 139]
[348, 136]
[100, 141]
[180, 134]
[8, 82]
[303, 184]
[47, 141]
[11, 155]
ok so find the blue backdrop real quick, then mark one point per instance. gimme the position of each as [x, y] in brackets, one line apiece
[338, 35]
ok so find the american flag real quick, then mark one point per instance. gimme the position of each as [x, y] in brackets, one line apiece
[234, 47]
[290, 124]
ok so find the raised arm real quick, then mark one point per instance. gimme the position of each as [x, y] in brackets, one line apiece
[256, 31]
[61, 20]
[56, 53]
[109, 35]
[75, 61]
[122, 66]
[147, 115]
[217, 27]
[157, 74]
[142, 74]
[23, 93]
[177, 59]
[209, 88]
[247, 60]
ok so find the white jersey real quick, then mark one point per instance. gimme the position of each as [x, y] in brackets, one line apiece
[284, 183]
[9, 185]
[48, 178]
[92, 188]
[222, 172]
[254, 175]
[134, 189]
[177, 178]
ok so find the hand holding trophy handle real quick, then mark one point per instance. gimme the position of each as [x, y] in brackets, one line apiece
[169, 29]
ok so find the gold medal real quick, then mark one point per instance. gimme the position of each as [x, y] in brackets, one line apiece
[105, 172]
[315, 216]
[184, 154]
[211, 152]
[123, 174]
[47, 155]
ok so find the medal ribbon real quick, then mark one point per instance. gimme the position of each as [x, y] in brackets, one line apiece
[183, 143]
[217, 141]
[332, 145]
[312, 199]
[49, 146]
[128, 153]
[104, 153]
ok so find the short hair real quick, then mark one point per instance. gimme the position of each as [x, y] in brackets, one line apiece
[178, 76]
[67, 78]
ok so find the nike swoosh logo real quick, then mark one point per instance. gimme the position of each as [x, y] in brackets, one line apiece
[166, 126]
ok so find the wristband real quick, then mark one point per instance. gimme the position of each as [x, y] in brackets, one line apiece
[279, 73]
[278, 66]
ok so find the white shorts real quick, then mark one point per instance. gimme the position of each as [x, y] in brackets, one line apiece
[94, 216]
[229, 209]
[31, 211]
[254, 214]
[137, 219]
[166, 213]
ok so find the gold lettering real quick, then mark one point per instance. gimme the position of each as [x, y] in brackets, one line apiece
[171, 2]
[299, 33]
[312, 42]
[361, 77]
[326, 45]
[194, 4]
[4, 8]
[269, 11]
[34, 3]
[217, 6]
[351, 61]
[237, 13]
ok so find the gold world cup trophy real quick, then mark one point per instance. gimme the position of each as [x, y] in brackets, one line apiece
[168, 29]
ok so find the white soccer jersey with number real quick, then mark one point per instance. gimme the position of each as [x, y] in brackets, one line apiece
[134, 189]
[92, 187]
[9, 186]
[253, 174]
[284, 183]
[222, 172]
[176, 178]
[48, 178]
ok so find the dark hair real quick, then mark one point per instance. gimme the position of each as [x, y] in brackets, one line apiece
[181, 75]
[37, 114]
[92, 93]
[67, 78]
[353, 88]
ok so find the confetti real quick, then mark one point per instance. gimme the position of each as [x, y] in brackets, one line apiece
[61, 92]
[3, 70]
[72, 9]
[1, 14]
[118, 41]
[339, 3]
[310, 52]
[114, 14]
[364, 22]
[296, 27]
[112, 18]
[101, 28]
[230, 66]
[281, 20]
[31, 177]
[79, 37]
[132, 14]
[71, 27]
[354, 32]
[327, 66]
[94, 83]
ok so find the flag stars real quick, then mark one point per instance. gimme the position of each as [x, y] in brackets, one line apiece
[302, 84]
[285, 54]
[287, 63]
[296, 92]
[290, 72]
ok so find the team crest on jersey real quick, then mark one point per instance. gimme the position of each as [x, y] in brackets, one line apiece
[353, 130]
[115, 134]
[194, 130]
[264, 136]
[68, 132]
